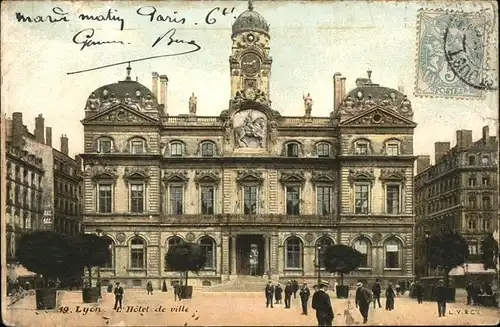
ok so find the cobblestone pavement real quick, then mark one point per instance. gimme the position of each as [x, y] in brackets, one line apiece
[236, 309]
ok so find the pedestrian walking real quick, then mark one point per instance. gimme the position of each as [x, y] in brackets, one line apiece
[98, 285]
[323, 306]
[278, 291]
[269, 291]
[376, 290]
[304, 297]
[398, 289]
[441, 298]
[177, 292]
[363, 299]
[389, 298]
[149, 287]
[295, 288]
[288, 294]
[419, 291]
[118, 296]
[164, 287]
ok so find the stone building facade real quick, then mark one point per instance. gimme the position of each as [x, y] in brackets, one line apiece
[260, 191]
[458, 193]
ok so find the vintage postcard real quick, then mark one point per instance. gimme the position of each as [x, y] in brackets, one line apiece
[249, 163]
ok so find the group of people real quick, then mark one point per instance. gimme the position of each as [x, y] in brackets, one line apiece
[276, 292]
[474, 290]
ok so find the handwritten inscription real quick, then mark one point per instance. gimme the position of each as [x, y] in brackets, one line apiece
[170, 34]
[21, 18]
[84, 37]
[153, 16]
[108, 17]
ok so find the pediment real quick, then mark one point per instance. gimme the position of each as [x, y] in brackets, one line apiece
[175, 176]
[288, 177]
[207, 176]
[249, 176]
[103, 173]
[322, 177]
[361, 175]
[120, 114]
[136, 173]
[378, 116]
[388, 175]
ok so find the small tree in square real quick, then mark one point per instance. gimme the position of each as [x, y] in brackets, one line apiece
[489, 250]
[447, 251]
[90, 251]
[342, 259]
[185, 257]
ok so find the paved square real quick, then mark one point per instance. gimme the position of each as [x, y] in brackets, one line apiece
[231, 308]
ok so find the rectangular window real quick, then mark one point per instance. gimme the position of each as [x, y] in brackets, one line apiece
[137, 198]
[361, 198]
[486, 181]
[293, 255]
[176, 200]
[486, 224]
[176, 149]
[323, 198]
[207, 149]
[137, 256]
[104, 198]
[361, 148]
[473, 249]
[207, 200]
[472, 202]
[137, 147]
[392, 199]
[472, 181]
[392, 256]
[292, 200]
[392, 149]
[250, 199]
[292, 150]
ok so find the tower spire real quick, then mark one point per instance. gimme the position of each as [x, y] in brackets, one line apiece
[250, 5]
[128, 72]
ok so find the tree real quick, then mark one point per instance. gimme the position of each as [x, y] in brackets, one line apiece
[90, 251]
[447, 251]
[46, 253]
[184, 257]
[342, 259]
[489, 249]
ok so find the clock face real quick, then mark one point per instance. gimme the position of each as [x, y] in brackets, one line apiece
[250, 63]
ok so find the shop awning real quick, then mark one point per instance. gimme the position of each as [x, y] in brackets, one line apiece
[19, 271]
[471, 269]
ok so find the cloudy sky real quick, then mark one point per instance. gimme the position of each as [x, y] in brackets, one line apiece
[309, 42]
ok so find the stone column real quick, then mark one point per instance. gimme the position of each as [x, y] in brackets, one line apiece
[266, 255]
[225, 254]
[233, 255]
[275, 257]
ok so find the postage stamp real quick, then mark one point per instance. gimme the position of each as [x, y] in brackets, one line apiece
[452, 55]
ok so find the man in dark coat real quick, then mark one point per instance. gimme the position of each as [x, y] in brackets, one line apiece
[419, 291]
[278, 291]
[118, 295]
[295, 288]
[288, 294]
[304, 297]
[269, 291]
[363, 299]
[441, 298]
[323, 306]
[376, 289]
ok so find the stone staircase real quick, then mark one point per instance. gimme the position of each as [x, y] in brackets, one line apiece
[240, 284]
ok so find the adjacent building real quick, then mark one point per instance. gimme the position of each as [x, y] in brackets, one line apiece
[458, 193]
[260, 191]
[43, 184]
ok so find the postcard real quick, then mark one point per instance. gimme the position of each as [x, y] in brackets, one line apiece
[249, 163]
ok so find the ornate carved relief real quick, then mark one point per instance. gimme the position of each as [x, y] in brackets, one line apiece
[295, 176]
[244, 176]
[322, 177]
[392, 174]
[123, 115]
[361, 174]
[250, 127]
[250, 94]
[98, 172]
[207, 176]
[190, 237]
[397, 103]
[104, 99]
[377, 117]
[120, 237]
[136, 173]
[175, 176]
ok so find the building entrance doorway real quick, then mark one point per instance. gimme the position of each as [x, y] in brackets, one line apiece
[250, 255]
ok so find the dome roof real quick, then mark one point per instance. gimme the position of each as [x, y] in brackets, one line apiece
[127, 92]
[250, 20]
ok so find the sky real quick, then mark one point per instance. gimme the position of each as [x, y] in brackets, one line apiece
[310, 41]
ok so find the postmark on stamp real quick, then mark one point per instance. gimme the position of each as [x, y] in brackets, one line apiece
[452, 55]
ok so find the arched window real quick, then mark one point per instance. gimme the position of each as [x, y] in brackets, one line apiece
[293, 253]
[323, 149]
[292, 149]
[170, 242]
[392, 148]
[393, 250]
[321, 245]
[176, 149]
[111, 252]
[362, 245]
[362, 147]
[208, 245]
[137, 145]
[137, 253]
[207, 149]
[104, 145]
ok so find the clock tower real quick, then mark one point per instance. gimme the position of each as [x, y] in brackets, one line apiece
[250, 63]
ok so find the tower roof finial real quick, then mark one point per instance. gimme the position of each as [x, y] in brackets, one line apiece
[128, 72]
[369, 73]
[250, 5]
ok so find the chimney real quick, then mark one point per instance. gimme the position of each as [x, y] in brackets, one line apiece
[48, 136]
[486, 133]
[17, 129]
[163, 92]
[155, 84]
[337, 90]
[464, 138]
[440, 149]
[422, 163]
[40, 129]
[64, 144]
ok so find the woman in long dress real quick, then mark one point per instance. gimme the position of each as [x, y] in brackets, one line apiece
[389, 298]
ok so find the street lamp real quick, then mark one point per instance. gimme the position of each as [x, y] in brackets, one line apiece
[319, 263]
[99, 233]
[427, 235]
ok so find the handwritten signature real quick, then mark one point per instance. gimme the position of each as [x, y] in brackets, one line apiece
[84, 37]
